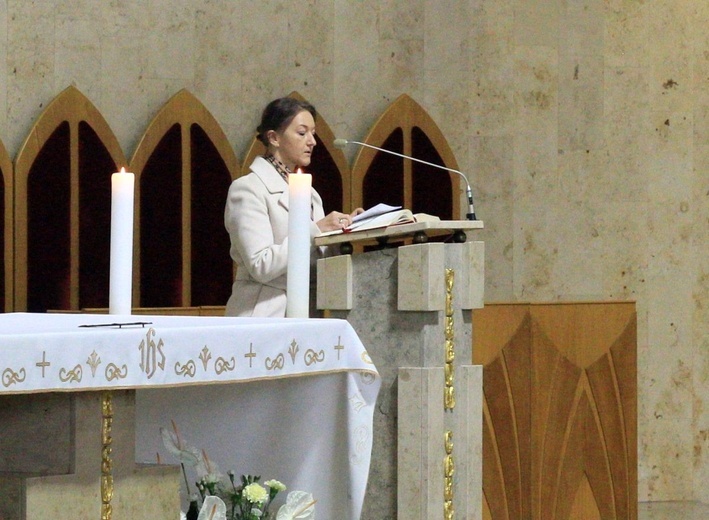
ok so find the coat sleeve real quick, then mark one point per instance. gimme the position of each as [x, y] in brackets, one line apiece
[253, 229]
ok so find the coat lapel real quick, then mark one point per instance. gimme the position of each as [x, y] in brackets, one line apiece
[275, 184]
[271, 179]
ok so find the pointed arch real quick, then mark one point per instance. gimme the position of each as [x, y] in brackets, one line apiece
[331, 171]
[62, 207]
[7, 208]
[406, 128]
[183, 166]
[585, 504]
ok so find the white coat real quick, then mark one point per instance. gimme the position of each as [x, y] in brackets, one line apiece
[256, 217]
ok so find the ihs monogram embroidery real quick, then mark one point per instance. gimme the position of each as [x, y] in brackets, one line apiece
[149, 352]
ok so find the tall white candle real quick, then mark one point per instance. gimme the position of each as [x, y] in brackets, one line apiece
[121, 274]
[298, 280]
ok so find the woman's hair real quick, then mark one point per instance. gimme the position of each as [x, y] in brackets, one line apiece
[279, 113]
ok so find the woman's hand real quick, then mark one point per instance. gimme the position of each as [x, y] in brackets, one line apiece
[336, 220]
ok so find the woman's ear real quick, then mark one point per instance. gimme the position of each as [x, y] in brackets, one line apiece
[272, 137]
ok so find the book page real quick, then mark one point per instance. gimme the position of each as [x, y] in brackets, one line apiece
[399, 217]
[381, 216]
[374, 211]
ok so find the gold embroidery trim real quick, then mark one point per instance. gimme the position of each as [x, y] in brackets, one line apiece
[222, 365]
[152, 356]
[311, 357]
[10, 377]
[73, 375]
[276, 363]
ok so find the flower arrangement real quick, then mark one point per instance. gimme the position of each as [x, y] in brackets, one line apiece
[245, 499]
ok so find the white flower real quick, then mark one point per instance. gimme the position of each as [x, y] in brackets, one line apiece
[213, 508]
[207, 470]
[176, 445]
[299, 506]
[255, 493]
[210, 478]
[275, 484]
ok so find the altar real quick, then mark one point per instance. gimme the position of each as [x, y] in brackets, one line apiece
[287, 399]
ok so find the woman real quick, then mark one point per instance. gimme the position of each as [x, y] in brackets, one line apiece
[256, 214]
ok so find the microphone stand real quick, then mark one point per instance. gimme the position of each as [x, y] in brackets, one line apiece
[341, 143]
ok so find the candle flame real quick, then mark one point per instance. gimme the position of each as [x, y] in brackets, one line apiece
[123, 170]
[299, 171]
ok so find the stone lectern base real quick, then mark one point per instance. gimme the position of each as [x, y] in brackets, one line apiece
[411, 306]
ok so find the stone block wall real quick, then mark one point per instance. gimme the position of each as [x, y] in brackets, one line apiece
[582, 125]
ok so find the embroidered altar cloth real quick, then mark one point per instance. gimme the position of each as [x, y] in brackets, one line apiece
[303, 408]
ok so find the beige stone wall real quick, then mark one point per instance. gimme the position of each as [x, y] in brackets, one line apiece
[591, 156]
[582, 124]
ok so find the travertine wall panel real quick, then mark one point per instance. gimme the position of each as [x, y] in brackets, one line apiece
[3, 75]
[611, 203]
[582, 124]
[700, 318]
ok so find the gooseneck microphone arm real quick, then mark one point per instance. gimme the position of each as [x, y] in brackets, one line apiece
[341, 143]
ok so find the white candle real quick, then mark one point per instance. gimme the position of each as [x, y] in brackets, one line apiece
[298, 281]
[121, 274]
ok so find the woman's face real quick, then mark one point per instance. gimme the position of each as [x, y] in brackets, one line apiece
[293, 146]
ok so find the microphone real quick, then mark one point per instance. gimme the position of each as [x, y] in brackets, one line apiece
[341, 143]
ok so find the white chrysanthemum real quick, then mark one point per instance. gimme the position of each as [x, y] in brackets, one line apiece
[275, 484]
[255, 493]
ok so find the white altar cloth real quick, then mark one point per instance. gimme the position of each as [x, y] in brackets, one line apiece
[304, 418]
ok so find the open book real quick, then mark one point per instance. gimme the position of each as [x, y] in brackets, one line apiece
[382, 216]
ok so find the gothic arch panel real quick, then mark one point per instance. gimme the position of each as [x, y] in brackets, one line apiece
[407, 129]
[6, 210]
[62, 196]
[183, 166]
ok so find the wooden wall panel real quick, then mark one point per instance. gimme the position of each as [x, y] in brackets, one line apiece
[6, 230]
[70, 146]
[56, 199]
[406, 128]
[560, 405]
[184, 146]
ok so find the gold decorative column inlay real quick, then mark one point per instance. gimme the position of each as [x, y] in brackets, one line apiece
[449, 470]
[449, 399]
[106, 463]
[449, 392]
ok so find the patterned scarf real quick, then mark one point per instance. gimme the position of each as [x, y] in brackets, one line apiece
[281, 168]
